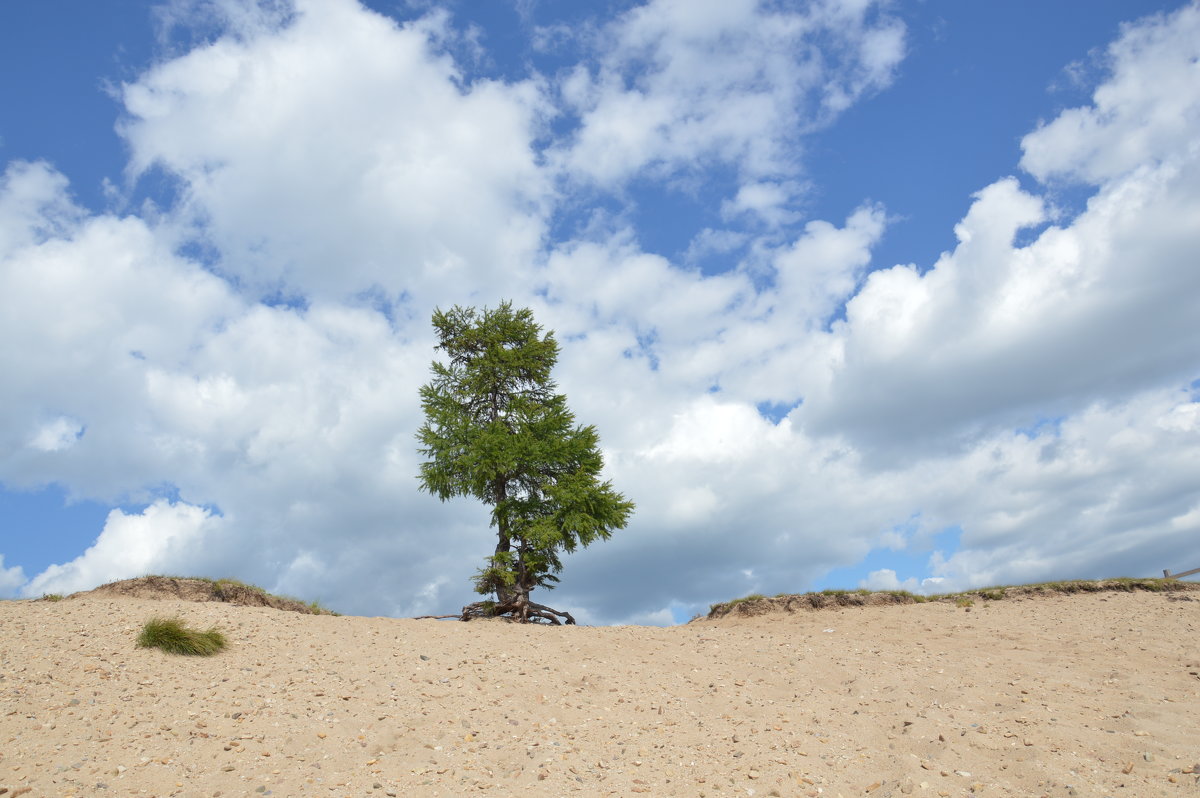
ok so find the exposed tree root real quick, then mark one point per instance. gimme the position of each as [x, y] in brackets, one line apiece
[519, 609]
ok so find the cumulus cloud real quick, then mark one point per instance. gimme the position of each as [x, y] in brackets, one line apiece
[736, 82]
[1108, 491]
[10, 579]
[886, 579]
[999, 334]
[165, 537]
[59, 434]
[337, 152]
[1146, 113]
[297, 423]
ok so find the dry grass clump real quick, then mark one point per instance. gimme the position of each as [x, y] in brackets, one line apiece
[171, 636]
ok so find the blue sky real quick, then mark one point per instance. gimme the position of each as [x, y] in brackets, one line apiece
[879, 294]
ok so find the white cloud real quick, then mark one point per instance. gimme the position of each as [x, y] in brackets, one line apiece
[34, 205]
[57, 435]
[11, 579]
[295, 423]
[340, 153]
[767, 200]
[998, 334]
[682, 84]
[886, 579]
[1146, 113]
[164, 538]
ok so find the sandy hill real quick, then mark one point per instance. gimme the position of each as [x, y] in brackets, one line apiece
[1064, 695]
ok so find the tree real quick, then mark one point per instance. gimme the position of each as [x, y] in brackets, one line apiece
[496, 429]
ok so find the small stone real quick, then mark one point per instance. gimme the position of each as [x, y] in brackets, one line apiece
[424, 658]
[1149, 757]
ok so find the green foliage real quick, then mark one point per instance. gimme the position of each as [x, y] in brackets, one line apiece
[495, 429]
[171, 636]
[964, 602]
[52, 597]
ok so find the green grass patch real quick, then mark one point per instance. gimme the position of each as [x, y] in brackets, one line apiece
[52, 597]
[171, 636]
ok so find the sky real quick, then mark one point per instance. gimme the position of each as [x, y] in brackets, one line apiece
[893, 295]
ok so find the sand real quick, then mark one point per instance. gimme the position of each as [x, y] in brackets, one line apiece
[1088, 695]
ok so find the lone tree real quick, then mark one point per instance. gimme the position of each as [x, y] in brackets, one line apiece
[495, 429]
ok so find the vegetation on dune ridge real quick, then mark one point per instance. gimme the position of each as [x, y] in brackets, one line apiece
[230, 591]
[757, 604]
[171, 636]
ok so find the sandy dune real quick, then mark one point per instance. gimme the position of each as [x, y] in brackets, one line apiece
[1073, 695]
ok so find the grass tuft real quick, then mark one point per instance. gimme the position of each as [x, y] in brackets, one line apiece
[171, 636]
[733, 603]
[965, 599]
[52, 597]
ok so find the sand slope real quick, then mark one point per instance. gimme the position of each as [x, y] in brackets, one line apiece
[1075, 695]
